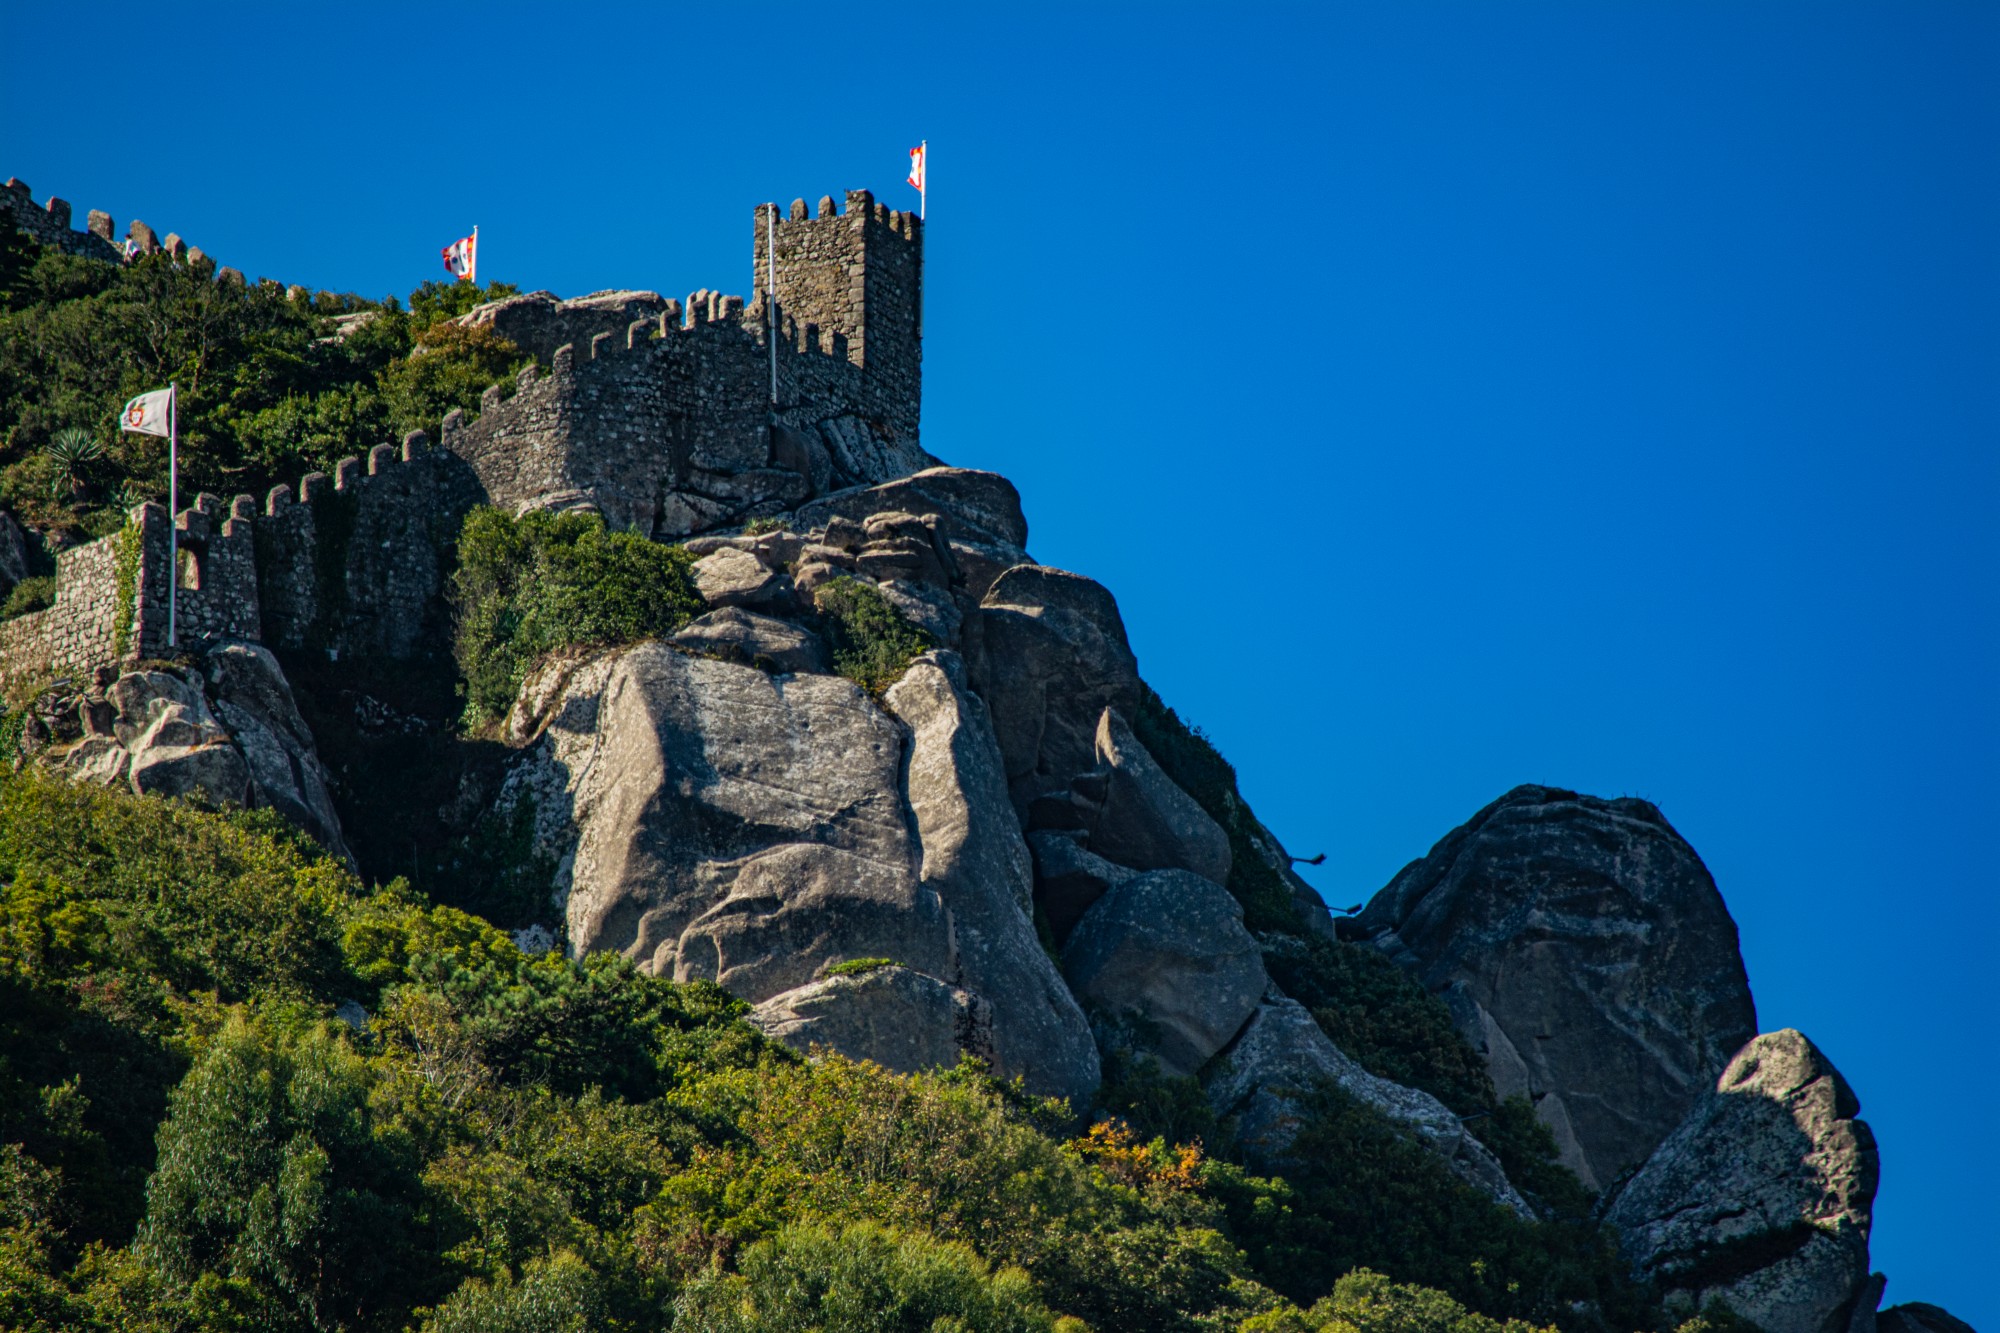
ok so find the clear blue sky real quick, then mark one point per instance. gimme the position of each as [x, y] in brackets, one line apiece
[1594, 394]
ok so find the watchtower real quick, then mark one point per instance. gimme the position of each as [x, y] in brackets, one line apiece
[854, 278]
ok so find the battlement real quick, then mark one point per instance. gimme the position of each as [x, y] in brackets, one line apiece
[49, 223]
[667, 417]
[855, 272]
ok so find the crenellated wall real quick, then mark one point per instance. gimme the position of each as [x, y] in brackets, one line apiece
[49, 224]
[664, 425]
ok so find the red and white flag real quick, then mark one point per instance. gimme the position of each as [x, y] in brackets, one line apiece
[461, 257]
[917, 166]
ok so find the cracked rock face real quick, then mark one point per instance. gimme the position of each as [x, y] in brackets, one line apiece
[1584, 950]
[1167, 951]
[229, 730]
[755, 830]
[1763, 1197]
[1055, 657]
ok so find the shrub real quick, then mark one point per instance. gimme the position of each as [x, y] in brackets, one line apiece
[861, 1279]
[528, 586]
[33, 594]
[559, 1294]
[1367, 1302]
[1363, 1192]
[873, 645]
[450, 368]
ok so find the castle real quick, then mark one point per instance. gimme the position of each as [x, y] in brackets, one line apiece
[665, 417]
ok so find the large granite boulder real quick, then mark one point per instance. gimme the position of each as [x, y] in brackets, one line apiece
[1054, 658]
[1165, 953]
[717, 822]
[1145, 821]
[1282, 1057]
[1584, 950]
[248, 692]
[1069, 879]
[1762, 1197]
[902, 1020]
[737, 635]
[225, 727]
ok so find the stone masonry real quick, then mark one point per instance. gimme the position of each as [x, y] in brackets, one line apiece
[663, 425]
[49, 224]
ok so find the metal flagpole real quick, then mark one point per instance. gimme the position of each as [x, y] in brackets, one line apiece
[173, 502]
[924, 191]
[472, 273]
[771, 298]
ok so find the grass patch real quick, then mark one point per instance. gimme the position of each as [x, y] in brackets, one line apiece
[855, 967]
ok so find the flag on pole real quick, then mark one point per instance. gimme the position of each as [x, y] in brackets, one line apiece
[149, 413]
[917, 167]
[461, 257]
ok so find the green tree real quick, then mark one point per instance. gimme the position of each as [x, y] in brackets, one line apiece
[269, 1175]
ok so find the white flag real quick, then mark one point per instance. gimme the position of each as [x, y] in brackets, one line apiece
[149, 412]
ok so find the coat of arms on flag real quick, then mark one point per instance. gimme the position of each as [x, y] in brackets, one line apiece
[149, 413]
[917, 168]
[461, 257]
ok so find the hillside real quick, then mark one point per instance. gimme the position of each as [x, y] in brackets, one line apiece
[641, 856]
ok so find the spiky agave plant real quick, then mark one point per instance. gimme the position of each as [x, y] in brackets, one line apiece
[70, 452]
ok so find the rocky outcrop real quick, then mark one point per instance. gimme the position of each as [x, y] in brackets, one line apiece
[978, 515]
[1283, 1057]
[721, 823]
[1762, 1197]
[762, 641]
[1054, 657]
[1165, 954]
[225, 728]
[732, 577]
[1585, 952]
[1069, 879]
[1131, 813]
[901, 1019]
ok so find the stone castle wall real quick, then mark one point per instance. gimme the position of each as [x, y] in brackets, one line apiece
[49, 224]
[665, 426]
[76, 632]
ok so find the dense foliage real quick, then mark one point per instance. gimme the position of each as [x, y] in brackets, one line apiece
[872, 643]
[271, 387]
[528, 586]
[481, 1139]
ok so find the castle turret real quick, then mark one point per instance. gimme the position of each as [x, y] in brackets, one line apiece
[855, 277]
